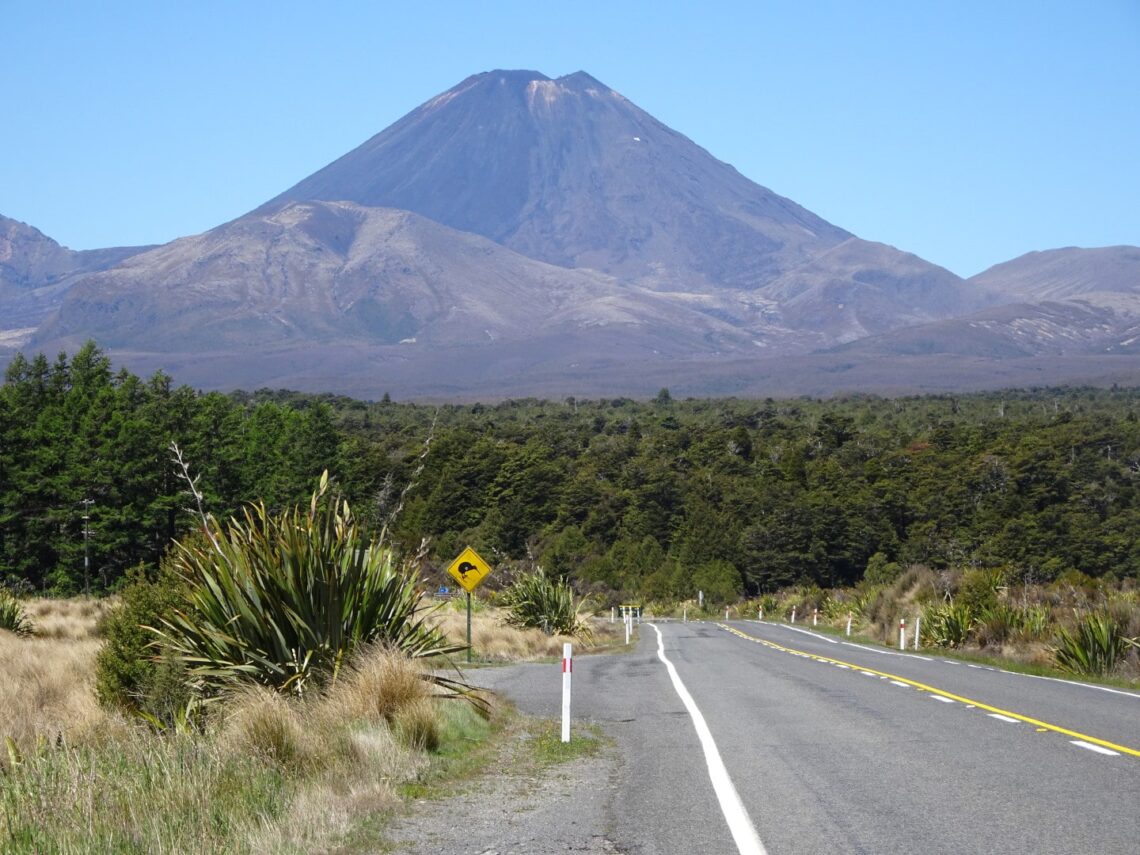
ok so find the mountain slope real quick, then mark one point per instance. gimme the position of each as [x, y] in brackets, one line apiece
[569, 172]
[318, 273]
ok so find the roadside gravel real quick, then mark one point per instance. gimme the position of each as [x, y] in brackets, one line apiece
[518, 807]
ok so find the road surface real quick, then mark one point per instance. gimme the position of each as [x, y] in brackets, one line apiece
[814, 745]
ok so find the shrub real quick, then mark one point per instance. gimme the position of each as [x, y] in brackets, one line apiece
[534, 600]
[979, 588]
[129, 674]
[1093, 648]
[285, 599]
[12, 616]
[881, 571]
[720, 581]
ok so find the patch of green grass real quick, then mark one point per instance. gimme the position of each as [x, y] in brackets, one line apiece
[469, 744]
[586, 740]
[466, 746]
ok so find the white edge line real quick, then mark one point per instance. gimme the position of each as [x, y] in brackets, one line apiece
[1063, 682]
[1001, 717]
[1074, 683]
[867, 649]
[735, 814]
[1099, 749]
[809, 632]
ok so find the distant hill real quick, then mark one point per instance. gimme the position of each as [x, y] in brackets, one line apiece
[35, 272]
[522, 235]
[1058, 274]
[1063, 302]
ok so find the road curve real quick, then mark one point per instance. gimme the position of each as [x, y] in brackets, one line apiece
[840, 748]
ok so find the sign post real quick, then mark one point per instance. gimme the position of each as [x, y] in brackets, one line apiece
[469, 570]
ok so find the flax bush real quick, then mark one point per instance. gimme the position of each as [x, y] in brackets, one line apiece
[535, 600]
[1094, 647]
[12, 616]
[284, 599]
[948, 625]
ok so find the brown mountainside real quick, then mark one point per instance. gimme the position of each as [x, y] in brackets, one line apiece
[35, 272]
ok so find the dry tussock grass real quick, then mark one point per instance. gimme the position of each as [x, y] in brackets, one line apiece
[340, 756]
[48, 691]
[363, 738]
[417, 725]
[374, 688]
[75, 618]
[48, 678]
[492, 639]
[261, 723]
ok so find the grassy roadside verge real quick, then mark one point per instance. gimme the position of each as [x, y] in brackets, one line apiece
[264, 773]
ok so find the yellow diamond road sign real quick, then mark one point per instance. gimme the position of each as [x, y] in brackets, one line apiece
[469, 569]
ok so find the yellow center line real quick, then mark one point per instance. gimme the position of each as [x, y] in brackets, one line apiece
[936, 691]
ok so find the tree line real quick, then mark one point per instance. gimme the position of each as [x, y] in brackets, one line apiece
[655, 499]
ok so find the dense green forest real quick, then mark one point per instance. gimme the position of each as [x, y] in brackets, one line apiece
[653, 498]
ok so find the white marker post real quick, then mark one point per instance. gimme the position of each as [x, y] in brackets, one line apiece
[567, 670]
[793, 614]
[685, 615]
[726, 612]
[628, 626]
[760, 613]
[902, 633]
[917, 630]
[849, 623]
[612, 610]
[815, 617]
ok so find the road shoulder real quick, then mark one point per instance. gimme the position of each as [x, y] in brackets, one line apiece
[519, 805]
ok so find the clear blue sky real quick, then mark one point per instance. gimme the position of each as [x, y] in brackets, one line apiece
[966, 132]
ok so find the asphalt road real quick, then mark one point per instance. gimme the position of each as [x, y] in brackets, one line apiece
[838, 748]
